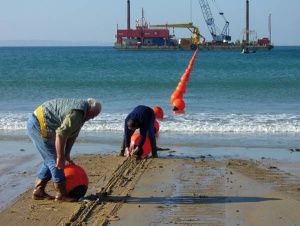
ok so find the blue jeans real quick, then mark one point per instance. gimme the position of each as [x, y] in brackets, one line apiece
[46, 147]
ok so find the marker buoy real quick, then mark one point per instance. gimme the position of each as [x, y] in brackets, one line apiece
[176, 95]
[156, 127]
[76, 180]
[146, 149]
[185, 77]
[181, 87]
[178, 104]
[159, 113]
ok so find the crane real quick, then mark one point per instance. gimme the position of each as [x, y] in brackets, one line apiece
[190, 26]
[217, 36]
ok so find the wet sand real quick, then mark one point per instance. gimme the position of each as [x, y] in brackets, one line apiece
[170, 190]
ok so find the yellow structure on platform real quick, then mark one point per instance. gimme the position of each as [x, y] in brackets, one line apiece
[189, 41]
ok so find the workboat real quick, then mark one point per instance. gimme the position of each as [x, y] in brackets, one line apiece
[158, 37]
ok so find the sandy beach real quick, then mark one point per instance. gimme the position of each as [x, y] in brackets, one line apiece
[171, 190]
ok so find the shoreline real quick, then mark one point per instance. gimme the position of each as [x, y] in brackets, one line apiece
[184, 140]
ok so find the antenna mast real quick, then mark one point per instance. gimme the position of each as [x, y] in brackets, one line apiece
[270, 27]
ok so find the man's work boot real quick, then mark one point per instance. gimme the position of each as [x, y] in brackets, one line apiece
[61, 193]
[122, 152]
[39, 190]
[153, 147]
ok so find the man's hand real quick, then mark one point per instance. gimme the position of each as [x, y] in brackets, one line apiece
[135, 151]
[127, 151]
[60, 163]
[69, 160]
[131, 152]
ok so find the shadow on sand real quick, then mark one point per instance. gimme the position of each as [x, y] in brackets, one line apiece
[187, 199]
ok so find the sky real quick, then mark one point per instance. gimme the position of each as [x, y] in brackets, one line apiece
[96, 21]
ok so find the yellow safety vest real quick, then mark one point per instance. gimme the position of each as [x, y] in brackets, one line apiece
[40, 116]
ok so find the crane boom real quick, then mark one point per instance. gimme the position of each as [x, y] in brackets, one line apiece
[208, 17]
[188, 25]
[213, 29]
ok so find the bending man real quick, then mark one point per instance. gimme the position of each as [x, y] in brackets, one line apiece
[141, 117]
[53, 127]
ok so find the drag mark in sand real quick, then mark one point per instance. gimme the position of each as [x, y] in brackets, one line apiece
[102, 208]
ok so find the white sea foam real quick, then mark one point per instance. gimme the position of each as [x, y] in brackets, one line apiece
[185, 123]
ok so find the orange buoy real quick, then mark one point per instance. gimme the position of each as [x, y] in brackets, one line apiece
[76, 180]
[191, 64]
[178, 104]
[181, 86]
[187, 72]
[185, 77]
[176, 95]
[156, 127]
[159, 113]
[146, 149]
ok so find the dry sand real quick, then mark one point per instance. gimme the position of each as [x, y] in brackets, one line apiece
[169, 191]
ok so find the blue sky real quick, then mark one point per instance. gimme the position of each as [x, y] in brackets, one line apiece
[97, 20]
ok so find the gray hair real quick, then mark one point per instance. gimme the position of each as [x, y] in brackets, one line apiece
[94, 104]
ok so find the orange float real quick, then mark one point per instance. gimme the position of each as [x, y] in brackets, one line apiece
[181, 87]
[178, 104]
[176, 95]
[156, 127]
[187, 72]
[159, 113]
[185, 77]
[76, 180]
[191, 64]
[192, 61]
[134, 142]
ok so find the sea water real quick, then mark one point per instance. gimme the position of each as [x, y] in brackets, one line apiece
[232, 99]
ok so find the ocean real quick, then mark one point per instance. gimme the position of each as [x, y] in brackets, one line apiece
[232, 99]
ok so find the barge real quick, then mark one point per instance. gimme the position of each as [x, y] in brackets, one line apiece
[158, 37]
